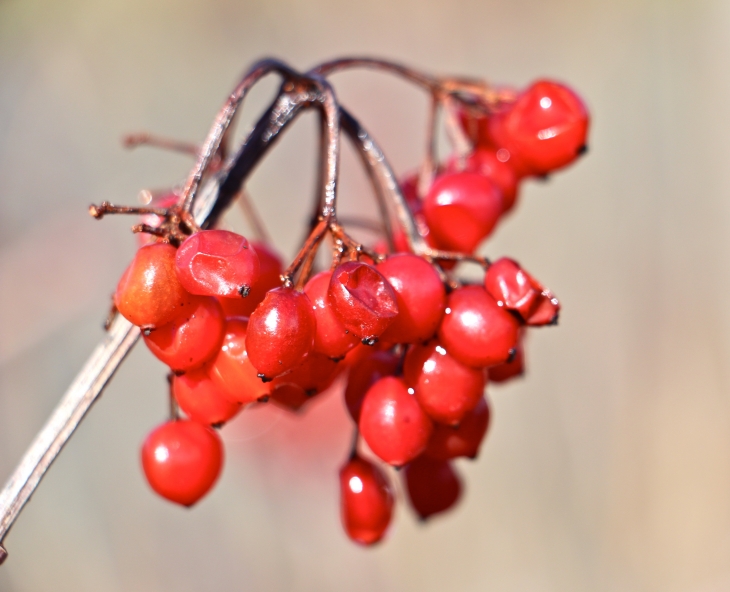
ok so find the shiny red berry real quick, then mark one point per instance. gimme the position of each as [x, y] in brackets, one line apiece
[476, 330]
[182, 460]
[544, 130]
[449, 442]
[331, 337]
[362, 299]
[231, 370]
[462, 209]
[366, 501]
[190, 339]
[511, 287]
[280, 332]
[149, 293]
[393, 423]
[445, 388]
[514, 368]
[433, 486]
[313, 376]
[420, 295]
[364, 373]
[201, 400]
[494, 165]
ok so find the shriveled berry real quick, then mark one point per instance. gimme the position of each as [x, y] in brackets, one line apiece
[462, 209]
[476, 330]
[511, 287]
[280, 332]
[433, 486]
[449, 442]
[364, 373]
[190, 339]
[393, 423]
[149, 294]
[362, 299]
[331, 337]
[445, 388]
[420, 295]
[217, 263]
[231, 370]
[182, 460]
[201, 399]
[366, 501]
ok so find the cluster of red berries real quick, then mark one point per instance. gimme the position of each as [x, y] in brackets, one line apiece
[418, 348]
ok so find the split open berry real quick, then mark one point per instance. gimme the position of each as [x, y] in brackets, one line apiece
[449, 442]
[217, 263]
[366, 501]
[149, 293]
[190, 339]
[231, 370]
[546, 310]
[280, 332]
[476, 330]
[462, 209]
[420, 295]
[366, 372]
[445, 388]
[362, 299]
[182, 460]
[331, 337]
[201, 400]
[545, 129]
[433, 486]
[393, 423]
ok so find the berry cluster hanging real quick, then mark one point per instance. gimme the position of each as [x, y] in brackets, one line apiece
[412, 345]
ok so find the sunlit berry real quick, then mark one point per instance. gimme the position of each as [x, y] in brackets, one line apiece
[201, 400]
[331, 338]
[366, 372]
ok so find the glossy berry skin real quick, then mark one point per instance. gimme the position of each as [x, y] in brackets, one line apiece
[461, 209]
[545, 128]
[192, 338]
[201, 399]
[182, 460]
[331, 337]
[494, 165]
[476, 330]
[515, 368]
[449, 442]
[270, 270]
[231, 371]
[363, 374]
[546, 311]
[362, 299]
[433, 486]
[280, 332]
[511, 287]
[445, 388]
[366, 501]
[149, 294]
[420, 295]
[393, 423]
[217, 263]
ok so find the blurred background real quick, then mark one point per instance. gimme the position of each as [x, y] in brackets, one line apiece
[606, 469]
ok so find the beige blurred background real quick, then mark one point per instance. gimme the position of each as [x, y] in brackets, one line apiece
[607, 468]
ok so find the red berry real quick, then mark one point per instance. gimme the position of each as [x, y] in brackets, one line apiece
[149, 293]
[290, 397]
[364, 373]
[393, 423]
[445, 388]
[182, 460]
[461, 209]
[201, 399]
[476, 330]
[420, 295]
[511, 287]
[449, 442]
[366, 501]
[547, 310]
[331, 337]
[280, 332]
[270, 269]
[313, 376]
[362, 299]
[544, 130]
[494, 165]
[217, 263]
[231, 370]
[433, 486]
[192, 338]
[512, 369]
